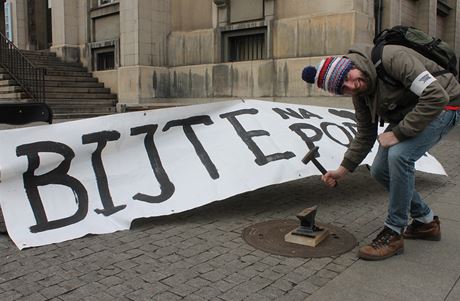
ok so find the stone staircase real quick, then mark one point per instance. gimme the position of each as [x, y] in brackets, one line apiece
[70, 90]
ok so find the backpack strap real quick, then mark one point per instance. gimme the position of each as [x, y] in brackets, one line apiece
[441, 72]
[376, 56]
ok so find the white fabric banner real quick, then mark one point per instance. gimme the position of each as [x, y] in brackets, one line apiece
[94, 176]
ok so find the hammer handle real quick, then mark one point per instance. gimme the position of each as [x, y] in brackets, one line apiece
[319, 166]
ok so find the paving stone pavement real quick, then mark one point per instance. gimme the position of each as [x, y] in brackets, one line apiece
[200, 254]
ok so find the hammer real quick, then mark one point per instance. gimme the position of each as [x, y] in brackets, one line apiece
[310, 156]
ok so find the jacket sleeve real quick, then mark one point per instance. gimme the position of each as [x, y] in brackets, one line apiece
[412, 73]
[365, 137]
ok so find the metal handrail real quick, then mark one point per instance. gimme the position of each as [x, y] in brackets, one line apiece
[23, 71]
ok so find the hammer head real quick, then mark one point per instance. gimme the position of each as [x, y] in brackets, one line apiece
[310, 155]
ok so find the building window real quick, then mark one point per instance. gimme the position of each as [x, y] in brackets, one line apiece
[8, 23]
[443, 8]
[104, 2]
[105, 55]
[245, 45]
[247, 48]
[105, 60]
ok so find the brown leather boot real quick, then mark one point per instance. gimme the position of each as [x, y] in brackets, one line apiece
[419, 230]
[386, 244]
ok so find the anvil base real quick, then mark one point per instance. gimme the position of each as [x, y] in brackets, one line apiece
[312, 240]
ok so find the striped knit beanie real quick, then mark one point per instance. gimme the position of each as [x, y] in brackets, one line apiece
[329, 75]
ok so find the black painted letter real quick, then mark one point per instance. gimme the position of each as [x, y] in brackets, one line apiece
[324, 127]
[246, 136]
[167, 188]
[57, 176]
[346, 114]
[303, 114]
[101, 139]
[298, 129]
[190, 134]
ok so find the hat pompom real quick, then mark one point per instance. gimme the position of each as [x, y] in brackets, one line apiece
[308, 74]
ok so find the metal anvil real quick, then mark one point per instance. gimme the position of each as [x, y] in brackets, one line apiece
[307, 223]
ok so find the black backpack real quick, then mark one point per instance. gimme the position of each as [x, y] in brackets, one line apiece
[432, 48]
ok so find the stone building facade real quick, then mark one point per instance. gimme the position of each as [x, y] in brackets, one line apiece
[191, 51]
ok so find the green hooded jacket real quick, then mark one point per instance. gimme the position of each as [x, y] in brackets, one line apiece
[408, 109]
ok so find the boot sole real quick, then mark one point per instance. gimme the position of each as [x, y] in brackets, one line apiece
[376, 258]
[432, 238]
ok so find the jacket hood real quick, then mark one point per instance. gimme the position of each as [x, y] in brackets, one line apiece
[360, 55]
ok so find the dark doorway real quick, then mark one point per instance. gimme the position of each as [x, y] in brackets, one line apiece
[2, 17]
[39, 24]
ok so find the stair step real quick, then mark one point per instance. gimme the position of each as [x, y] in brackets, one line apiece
[17, 95]
[55, 62]
[70, 78]
[4, 76]
[42, 57]
[105, 101]
[48, 58]
[84, 102]
[62, 68]
[80, 96]
[34, 53]
[10, 89]
[76, 90]
[12, 100]
[78, 115]
[74, 84]
[7, 82]
[68, 73]
[82, 109]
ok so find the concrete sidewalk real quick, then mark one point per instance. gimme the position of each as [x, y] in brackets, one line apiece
[200, 255]
[427, 270]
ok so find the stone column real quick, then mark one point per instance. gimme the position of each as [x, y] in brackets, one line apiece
[222, 12]
[426, 18]
[19, 16]
[453, 23]
[65, 29]
[452, 37]
[2, 17]
[144, 27]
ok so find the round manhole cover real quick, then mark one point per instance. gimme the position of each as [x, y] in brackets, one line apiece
[269, 237]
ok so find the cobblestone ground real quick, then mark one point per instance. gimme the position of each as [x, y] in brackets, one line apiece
[200, 254]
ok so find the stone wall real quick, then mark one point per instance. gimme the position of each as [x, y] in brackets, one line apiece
[320, 35]
[184, 60]
[299, 8]
[191, 48]
[279, 79]
[194, 71]
[189, 15]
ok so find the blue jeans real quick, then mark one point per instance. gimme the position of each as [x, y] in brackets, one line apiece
[393, 167]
